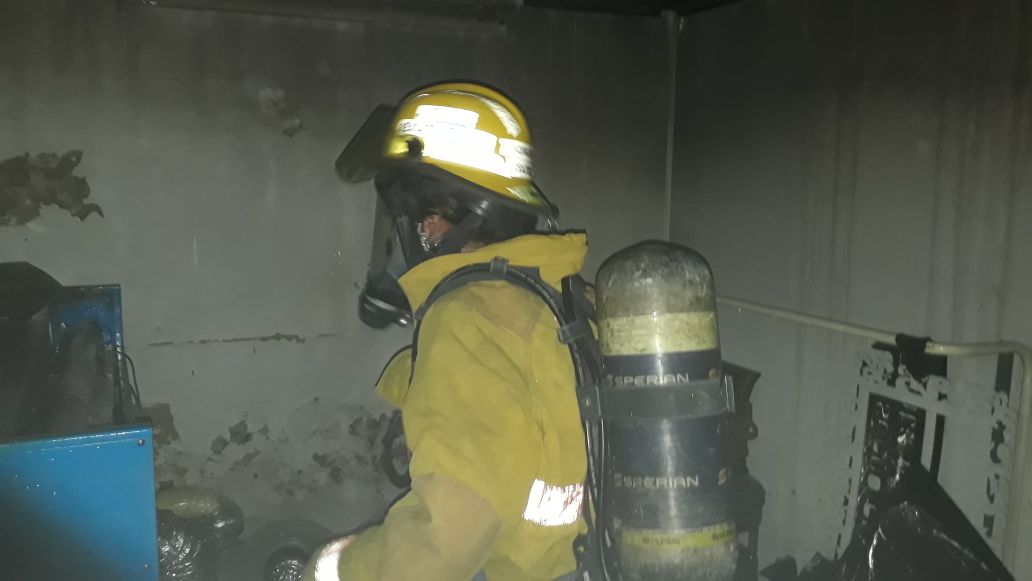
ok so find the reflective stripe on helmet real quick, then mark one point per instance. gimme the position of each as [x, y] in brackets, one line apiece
[553, 506]
[512, 127]
[450, 135]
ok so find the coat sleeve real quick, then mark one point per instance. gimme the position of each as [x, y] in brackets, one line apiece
[473, 460]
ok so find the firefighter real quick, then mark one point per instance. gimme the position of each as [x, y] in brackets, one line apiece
[486, 392]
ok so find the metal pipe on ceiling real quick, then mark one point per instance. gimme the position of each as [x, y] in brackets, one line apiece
[429, 12]
[630, 8]
[439, 14]
[648, 8]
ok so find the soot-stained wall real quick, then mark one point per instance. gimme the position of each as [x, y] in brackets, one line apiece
[239, 253]
[867, 161]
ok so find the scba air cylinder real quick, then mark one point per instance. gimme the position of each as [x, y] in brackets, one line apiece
[667, 406]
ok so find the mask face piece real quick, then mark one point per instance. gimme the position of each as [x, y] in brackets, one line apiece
[429, 244]
[382, 302]
[400, 242]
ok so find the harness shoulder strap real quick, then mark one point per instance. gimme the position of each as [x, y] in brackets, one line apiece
[498, 269]
[574, 314]
[572, 309]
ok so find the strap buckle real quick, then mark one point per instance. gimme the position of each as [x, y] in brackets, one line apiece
[588, 400]
[575, 331]
[498, 265]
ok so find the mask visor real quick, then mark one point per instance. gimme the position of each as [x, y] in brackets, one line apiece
[382, 302]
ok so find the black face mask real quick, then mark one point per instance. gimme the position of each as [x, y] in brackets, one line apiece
[398, 245]
[403, 198]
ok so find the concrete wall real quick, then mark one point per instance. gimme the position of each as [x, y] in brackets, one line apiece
[240, 254]
[867, 161]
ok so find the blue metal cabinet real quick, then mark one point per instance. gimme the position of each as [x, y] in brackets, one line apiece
[79, 507]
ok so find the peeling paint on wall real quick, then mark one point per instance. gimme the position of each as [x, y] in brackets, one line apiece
[29, 182]
[322, 463]
[162, 423]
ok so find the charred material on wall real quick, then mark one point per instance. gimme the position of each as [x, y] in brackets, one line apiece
[29, 182]
[162, 422]
[274, 105]
[321, 462]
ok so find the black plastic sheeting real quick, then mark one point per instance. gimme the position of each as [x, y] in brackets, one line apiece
[200, 538]
[921, 536]
[194, 525]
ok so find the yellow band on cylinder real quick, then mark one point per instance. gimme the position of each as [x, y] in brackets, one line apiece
[713, 536]
[666, 333]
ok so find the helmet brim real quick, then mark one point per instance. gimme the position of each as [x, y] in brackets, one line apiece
[362, 158]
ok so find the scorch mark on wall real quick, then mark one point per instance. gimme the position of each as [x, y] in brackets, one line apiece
[28, 182]
[273, 103]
